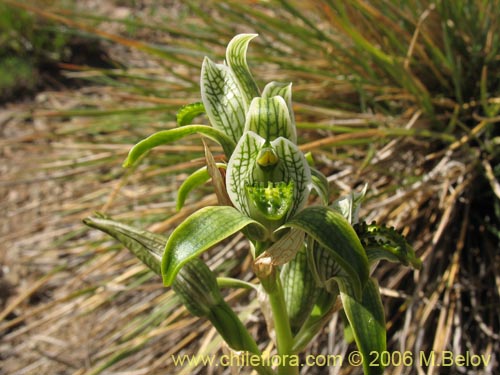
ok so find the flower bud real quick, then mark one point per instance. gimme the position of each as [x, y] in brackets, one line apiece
[197, 288]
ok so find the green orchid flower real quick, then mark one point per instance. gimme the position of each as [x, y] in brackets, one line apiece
[304, 256]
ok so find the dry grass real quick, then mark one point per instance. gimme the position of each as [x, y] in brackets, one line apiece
[73, 302]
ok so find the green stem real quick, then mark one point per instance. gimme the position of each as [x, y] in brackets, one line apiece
[234, 333]
[284, 338]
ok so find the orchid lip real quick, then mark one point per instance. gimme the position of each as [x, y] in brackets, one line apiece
[272, 200]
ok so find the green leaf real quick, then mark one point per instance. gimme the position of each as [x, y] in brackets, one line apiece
[270, 119]
[223, 100]
[172, 135]
[285, 91]
[366, 318]
[333, 232]
[236, 58]
[320, 315]
[200, 231]
[320, 184]
[187, 113]
[146, 246]
[197, 178]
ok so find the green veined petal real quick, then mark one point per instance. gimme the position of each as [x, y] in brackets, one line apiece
[292, 166]
[222, 98]
[236, 58]
[281, 89]
[270, 118]
[240, 169]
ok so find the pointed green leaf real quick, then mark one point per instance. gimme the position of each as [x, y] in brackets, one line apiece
[172, 135]
[197, 178]
[281, 89]
[200, 231]
[187, 113]
[223, 100]
[270, 119]
[320, 184]
[146, 246]
[236, 58]
[366, 319]
[334, 233]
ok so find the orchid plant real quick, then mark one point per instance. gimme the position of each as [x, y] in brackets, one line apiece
[305, 256]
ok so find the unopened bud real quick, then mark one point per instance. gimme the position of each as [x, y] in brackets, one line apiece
[196, 286]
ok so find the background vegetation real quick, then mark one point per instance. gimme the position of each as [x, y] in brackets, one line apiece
[402, 95]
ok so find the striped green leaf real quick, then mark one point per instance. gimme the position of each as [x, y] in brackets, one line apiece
[172, 135]
[223, 100]
[333, 232]
[196, 179]
[367, 322]
[199, 232]
[146, 246]
[236, 58]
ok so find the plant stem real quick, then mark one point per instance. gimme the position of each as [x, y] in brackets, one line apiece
[284, 338]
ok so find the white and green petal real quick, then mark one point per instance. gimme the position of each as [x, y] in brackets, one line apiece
[270, 182]
[222, 98]
[236, 59]
[270, 118]
[240, 169]
[285, 91]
